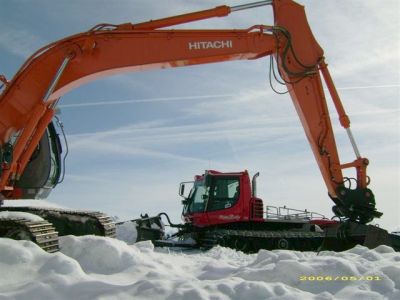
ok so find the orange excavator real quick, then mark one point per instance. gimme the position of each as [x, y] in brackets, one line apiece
[31, 163]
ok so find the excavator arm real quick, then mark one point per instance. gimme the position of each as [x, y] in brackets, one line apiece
[28, 101]
[301, 63]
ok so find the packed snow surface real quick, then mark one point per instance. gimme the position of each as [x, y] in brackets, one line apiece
[34, 203]
[19, 215]
[127, 232]
[93, 267]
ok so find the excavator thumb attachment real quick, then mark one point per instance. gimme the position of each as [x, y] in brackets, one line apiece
[358, 205]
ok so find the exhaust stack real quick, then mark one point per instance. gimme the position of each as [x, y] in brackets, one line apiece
[254, 185]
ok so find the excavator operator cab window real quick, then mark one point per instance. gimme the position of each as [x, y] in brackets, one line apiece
[224, 193]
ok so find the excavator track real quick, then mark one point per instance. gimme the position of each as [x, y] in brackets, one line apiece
[72, 222]
[41, 233]
[253, 240]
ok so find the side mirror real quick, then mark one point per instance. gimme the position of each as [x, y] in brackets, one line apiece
[182, 189]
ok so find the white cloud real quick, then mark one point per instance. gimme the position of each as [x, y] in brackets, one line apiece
[20, 42]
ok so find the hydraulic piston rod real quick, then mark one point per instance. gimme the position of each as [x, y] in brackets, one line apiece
[353, 142]
[219, 11]
[343, 118]
[54, 82]
[250, 5]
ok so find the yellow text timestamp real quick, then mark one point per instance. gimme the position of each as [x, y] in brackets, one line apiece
[339, 278]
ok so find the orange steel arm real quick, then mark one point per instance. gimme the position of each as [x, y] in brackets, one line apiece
[101, 53]
[301, 62]
[27, 104]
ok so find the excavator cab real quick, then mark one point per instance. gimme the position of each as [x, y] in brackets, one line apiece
[43, 171]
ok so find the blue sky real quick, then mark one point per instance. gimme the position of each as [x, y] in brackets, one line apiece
[134, 137]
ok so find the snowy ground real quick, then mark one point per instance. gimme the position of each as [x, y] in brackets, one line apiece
[104, 268]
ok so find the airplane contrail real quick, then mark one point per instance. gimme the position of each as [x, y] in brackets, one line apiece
[181, 98]
[368, 87]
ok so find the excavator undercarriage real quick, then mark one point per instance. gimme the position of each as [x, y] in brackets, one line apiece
[41, 233]
[56, 222]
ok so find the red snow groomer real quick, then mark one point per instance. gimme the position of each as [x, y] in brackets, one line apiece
[223, 209]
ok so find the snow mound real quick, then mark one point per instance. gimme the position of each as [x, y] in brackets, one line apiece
[34, 203]
[32, 273]
[127, 232]
[93, 267]
[100, 255]
[20, 215]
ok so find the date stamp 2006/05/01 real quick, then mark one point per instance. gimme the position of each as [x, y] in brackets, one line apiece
[338, 278]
